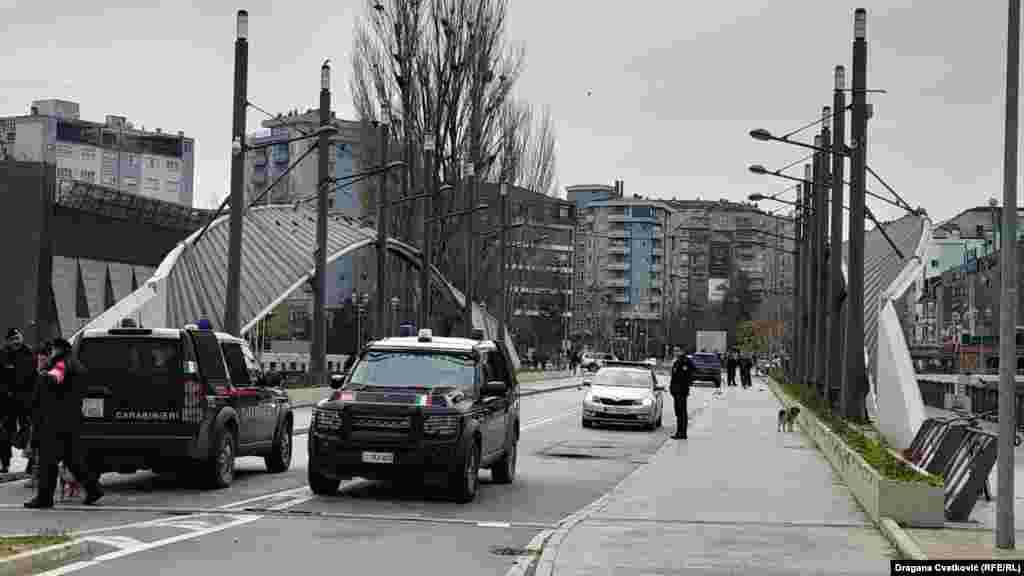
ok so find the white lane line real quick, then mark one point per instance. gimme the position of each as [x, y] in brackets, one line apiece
[115, 541]
[493, 524]
[282, 494]
[70, 568]
[182, 524]
[535, 423]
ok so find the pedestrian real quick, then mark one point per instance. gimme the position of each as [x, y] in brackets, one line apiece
[60, 417]
[746, 366]
[20, 357]
[41, 356]
[730, 365]
[679, 387]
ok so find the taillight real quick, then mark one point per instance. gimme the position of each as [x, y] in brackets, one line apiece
[192, 411]
[343, 396]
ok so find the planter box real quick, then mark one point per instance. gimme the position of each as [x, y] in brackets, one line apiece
[912, 504]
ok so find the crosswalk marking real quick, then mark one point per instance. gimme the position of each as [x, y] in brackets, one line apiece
[115, 541]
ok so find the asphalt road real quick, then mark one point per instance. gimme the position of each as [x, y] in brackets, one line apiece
[270, 523]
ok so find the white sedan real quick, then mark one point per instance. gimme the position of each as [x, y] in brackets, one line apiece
[623, 393]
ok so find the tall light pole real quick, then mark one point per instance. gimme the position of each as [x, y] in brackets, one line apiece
[1008, 293]
[467, 187]
[239, 104]
[835, 344]
[318, 361]
[428, 252]
[799, 261]
[813, 251]
[383, 202]
[854, 374]
[821, 328]
[502, 263]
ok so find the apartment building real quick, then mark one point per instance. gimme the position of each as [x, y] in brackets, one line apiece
[114, 153]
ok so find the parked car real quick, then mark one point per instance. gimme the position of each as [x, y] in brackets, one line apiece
[420, 408]
[708, 368]
[180, 400]
[623, 393]
[593, 361]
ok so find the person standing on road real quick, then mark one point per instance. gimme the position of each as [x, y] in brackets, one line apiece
[60, 410]
[23, 383]
[730, 367]
[42, 357]
[679, 387]
[746, 366]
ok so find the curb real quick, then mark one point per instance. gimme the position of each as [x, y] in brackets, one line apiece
[544, 390]
[533, 550]
[43, 559]
[545, 565]
[12, 477]
[903, 542]
[892, 531]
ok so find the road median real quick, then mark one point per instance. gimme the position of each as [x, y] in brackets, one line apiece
[20, 555]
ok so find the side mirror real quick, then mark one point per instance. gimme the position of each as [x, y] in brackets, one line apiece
[659, 388]
[586, 382]
[495, 388]
[338, 379]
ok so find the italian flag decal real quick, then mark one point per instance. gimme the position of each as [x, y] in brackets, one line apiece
[422, 400]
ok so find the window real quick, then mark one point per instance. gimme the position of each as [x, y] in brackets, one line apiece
[152, 163]
[563, 212]
[172, 185]
[129, 181]
[88, 154]
[64, 150]
[153, 184]
[172, 165]
[65, 174]
[133, 160]
[411, 369]
[87, 175]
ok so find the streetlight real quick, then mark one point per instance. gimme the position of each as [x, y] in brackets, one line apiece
[395, 302]
[766, 136]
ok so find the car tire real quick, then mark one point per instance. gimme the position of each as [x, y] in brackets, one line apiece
[587, 423]
[465, 482]
[504, 470]
[280, 457]
[221, 467]
[318, 483]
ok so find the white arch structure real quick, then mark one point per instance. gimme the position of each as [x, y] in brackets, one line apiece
[896, 396]
[278, 243]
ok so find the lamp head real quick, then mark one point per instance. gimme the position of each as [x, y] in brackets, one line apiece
[756, 197]
[860, 24]
[242, 25]
[325, 75]
[840, 78]
[761, 134]
[758, 169]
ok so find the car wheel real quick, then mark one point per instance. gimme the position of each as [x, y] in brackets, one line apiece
[504, 470]
[222, 466]
[466, 480]
[318, 483]
[587, 423]
[280, 457]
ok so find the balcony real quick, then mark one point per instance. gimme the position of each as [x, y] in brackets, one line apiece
[618, 266]
[618, 250]
[616, 282]
[617, 217]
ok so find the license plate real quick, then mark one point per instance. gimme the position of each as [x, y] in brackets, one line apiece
[92, 407]
[614, 410]
[378, 457]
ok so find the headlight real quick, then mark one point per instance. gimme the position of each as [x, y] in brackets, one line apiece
[646, 402]
[589, 398]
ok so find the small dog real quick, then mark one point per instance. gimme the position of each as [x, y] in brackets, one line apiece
[69, 486]
[786, 418]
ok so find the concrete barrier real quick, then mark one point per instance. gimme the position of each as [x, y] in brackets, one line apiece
[913, 504]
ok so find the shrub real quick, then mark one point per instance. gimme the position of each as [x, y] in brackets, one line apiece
[875, 452]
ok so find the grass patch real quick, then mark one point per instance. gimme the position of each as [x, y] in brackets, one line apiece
[12, 545]
[874, 451]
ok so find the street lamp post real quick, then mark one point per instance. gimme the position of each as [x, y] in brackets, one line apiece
[468, 170]
[1008, 294]
[854, 374]
[383, 201]
[428, 251]
[814, 246]
[822, 295]
[836, 353]
[318, 361]
[239, 104]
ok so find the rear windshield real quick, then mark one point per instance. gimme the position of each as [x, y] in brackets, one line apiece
[146, 357]
[705, 358]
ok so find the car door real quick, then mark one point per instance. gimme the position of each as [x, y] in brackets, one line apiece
[270, 404]
[497, 417]
[245, 396]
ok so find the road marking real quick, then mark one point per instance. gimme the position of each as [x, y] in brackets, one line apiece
[115, 541]
[182, 524]
[493, 524]
[535, 423]
[282, 493]
[70, 568]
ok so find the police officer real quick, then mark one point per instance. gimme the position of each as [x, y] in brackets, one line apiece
[682, 375]
[60, 415]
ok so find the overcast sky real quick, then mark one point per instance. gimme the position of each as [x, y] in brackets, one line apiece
[676, 85]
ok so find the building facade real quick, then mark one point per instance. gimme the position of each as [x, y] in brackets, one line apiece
[115, 153]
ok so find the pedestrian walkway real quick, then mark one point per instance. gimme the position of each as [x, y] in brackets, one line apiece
[736, 497]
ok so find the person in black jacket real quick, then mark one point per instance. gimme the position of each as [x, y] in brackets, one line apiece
[730, 367]
[679, 387]
[746, 367]
[60, 417]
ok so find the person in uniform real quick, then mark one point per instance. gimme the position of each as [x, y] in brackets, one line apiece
[679, 387]
[60, 417]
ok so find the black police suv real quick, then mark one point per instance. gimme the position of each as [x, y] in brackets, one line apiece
[423, 408]
[179, 400]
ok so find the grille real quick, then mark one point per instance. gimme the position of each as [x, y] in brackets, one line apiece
[390, 423]
[327, 420]
[192, 409]
[616, 402]
[441, 426]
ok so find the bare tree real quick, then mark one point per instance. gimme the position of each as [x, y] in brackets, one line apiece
[528, 151]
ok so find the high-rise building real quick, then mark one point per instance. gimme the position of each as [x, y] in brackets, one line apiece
[114, 154]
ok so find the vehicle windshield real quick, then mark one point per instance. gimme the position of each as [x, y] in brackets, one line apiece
[626, 377]
[413, 369]
[139, 357]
